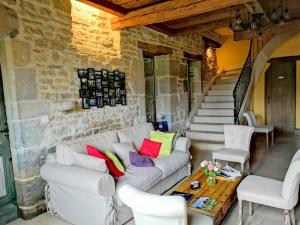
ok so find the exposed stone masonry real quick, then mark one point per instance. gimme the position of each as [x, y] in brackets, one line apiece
[55, 38]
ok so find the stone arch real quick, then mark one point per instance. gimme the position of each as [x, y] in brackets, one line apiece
[266, 52]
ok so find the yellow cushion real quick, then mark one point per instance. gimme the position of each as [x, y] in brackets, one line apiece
[115, 160]
[166, 139]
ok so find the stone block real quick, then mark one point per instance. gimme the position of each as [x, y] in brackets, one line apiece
[174, 68]
[183, 71]
[28, 213]
[30, 191]
[25, 134]
[9, 25]
[28, 110]
[26, 87]
[27, 163]
[138, 76]
[168, 85]
[162, 67]
[20, 53]
[169, 103]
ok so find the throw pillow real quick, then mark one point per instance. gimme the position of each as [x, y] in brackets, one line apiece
[122, 150]
[150, 148]
[166, 139]
[140, 160]
[115, 160]
[113, 170]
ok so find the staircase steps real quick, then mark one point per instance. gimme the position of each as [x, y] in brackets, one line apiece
[218, 98]
[207, 127]
[215, 112]
[205, 136]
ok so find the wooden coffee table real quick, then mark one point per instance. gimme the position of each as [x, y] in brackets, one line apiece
[224, 191]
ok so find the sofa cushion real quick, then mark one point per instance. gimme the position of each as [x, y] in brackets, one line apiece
[115, 160]
[166, 139]
[122, 150]
[143, 178]
[150, 148]
[89, 162]
[136, 134]
[170, 164]
[101, 141]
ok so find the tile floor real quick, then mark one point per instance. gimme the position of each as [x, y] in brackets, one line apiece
[271, 163]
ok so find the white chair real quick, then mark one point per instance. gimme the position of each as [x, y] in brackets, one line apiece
[237, 146]
[150, 209]
[273, 193]
[264, 129]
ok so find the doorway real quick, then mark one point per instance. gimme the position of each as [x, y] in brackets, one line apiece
[8, 208]
[150, 95]
[280, 89]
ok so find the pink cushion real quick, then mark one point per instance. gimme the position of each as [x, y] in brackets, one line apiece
[150, 148]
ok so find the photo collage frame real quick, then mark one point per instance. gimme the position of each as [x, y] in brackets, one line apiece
[101, 88]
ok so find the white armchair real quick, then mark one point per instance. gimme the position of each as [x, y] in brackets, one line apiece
[273, 193]
[237, 146]
[263, 129]
[150, 209]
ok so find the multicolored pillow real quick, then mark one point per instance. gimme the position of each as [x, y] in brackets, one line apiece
[166, 139]
[115, 160]
[140, 160]
[150, 148]
[113, 170]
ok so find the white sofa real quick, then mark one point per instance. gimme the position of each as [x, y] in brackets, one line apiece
[85, 196]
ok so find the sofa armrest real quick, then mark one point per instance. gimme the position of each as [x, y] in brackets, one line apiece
[91, 181]
[183, 144]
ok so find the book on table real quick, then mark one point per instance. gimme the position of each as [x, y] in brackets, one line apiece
[187, 196]
[205, 203]
[228, 172]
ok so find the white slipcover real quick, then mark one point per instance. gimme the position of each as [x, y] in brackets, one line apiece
[150, 209]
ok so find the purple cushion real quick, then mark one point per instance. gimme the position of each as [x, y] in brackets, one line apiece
[140, 160]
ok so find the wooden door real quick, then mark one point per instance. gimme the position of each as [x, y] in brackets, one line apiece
[281, 96]
[8, 209]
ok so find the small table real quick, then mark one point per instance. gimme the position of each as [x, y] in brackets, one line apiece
[224, 191]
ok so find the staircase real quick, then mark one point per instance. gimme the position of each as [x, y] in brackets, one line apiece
[206, 129]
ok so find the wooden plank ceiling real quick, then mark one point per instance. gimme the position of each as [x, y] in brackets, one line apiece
[178, 16]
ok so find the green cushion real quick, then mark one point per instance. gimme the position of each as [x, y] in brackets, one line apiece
[115, 160]
[166, 139]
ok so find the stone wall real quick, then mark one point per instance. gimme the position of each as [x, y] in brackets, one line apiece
[55, 38]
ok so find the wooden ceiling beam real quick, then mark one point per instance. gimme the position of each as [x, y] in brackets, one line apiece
[200, 19]
[152, 49]
[106, 6]
[162, 29]
[269, 30]
[171, 10]
[205, 27]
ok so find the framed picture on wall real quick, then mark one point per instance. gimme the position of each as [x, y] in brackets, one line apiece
[84, 83]
[91, 83]
[91, 73]
[82, 73]
[99, 93]
[92, 93]
[85, 103]
[100, 103]
[98, 74]
[112, 101]
[93, 102]
[84, 93]
[104, 74]
[98, 84]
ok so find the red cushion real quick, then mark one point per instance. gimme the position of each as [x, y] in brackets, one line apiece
[150, 148]
[111, 166]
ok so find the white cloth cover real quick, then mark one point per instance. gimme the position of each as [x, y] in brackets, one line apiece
[122, 149]
[232, 155]
[136, 134]
[265, 191]
[251, 120]
[171, 210]
[103, 141]
[89, 162]
[237, 144]
[170, 164]
[182, 144]
[86, 180]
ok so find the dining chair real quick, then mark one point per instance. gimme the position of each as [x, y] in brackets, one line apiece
[264, 129]
[272, 193]
[237, 146]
